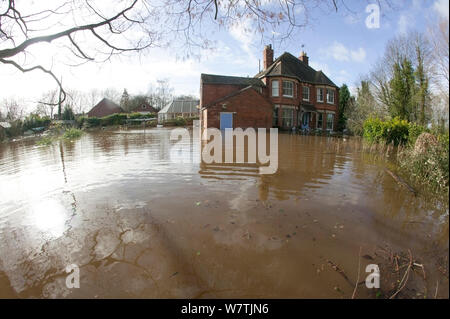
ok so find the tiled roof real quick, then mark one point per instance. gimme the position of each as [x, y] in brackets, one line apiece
[105, 107]
[231, 80]
[290, 66]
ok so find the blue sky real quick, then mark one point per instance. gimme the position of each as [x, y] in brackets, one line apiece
[339, 44]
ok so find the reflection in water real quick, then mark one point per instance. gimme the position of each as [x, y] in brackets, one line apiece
[129, 205]
[49, 217]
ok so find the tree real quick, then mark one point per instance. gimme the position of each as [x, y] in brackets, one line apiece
[68, 114]
[402, 87]
[22, 27]
[363, 107]
[125, 101]
[163, 94]
[422, 93]
[439, 39]
[344, 100]
[47, 103]
[93, 30]
[13, 109]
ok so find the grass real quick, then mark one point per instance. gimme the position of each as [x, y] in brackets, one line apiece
[46, 140]
[72, 133]
[69, 134]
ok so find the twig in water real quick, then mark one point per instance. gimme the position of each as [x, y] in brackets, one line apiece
[359, 268]
[437, 287]
[404, 280]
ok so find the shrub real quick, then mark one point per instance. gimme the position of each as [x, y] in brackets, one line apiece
[68, 114]
[429, 167]
[34, 120]
[138, 115]
[394, 131]
[180, 121]
[92, 121]
[72, 133]
[81, 120]
[46, 140]
[113, 119]
[414, 131]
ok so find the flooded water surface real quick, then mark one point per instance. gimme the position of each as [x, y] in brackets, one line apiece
[142, 220]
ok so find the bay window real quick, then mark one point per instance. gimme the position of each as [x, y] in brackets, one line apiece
[330, 96]
[288, 117]
[330, 118]
[275, 88]
[288, 88]
[319, 95]
[319, 120]
[305, 93]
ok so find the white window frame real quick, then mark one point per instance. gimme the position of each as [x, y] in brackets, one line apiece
[277, 88]
[292, 88]
[317, 120]
[288, 119]
[329, 101]
[303, 93]
[318, 95]
[332, 121]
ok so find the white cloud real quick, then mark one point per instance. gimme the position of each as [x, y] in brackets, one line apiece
[442, 7]
[403, 24]
[340, 52]
[358, 55]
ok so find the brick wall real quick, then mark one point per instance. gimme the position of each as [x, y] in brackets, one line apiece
[250, 109]
[213, 92]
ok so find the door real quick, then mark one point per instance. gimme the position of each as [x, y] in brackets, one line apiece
[306, 117]
[226, 120]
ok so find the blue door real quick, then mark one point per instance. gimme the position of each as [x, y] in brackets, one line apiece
[226, 120]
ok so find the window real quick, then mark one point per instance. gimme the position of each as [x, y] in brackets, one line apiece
[330, 96]
[275, 87]
[319, 120]
[288, 117]
[305, 93]
[288, 88]
[319, 95]
[275, 115]
[330, 118]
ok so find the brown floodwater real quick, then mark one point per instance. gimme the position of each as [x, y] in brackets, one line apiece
[141, 220]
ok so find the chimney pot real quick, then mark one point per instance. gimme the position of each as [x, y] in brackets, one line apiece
[304, 58]
[267, 56]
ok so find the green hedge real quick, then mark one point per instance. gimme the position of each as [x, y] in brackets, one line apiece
[394, 131]
[34, 120]
[138, 115]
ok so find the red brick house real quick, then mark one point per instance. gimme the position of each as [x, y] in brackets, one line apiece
[103, 108]
[289, 89]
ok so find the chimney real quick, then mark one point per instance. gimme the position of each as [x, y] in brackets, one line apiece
[303, 57]
[267, 56]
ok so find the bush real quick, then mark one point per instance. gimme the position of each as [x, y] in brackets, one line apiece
[113, 119]
[92, 121]
[394, 131]
[81, 120]
[34, 120]
[414, 131]
[180, 121]
[72, 133]
[68, 114]
[138, 115]
[429, 167]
